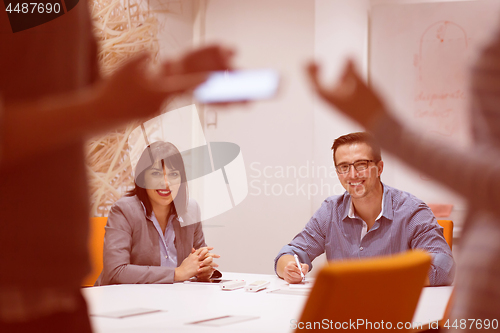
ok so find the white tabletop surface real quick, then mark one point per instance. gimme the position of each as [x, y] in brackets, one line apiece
[182, 303]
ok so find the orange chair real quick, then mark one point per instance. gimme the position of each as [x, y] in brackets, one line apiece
[448, 231]
[372, 290]
[95, 246]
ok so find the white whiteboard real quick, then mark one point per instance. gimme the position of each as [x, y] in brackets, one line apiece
[420, 55]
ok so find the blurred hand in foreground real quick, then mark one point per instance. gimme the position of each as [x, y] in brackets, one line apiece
[350, 95]
[134, 91]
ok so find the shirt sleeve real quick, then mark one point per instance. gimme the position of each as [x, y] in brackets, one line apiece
[310, 242]
[117, 268]
[427, 234]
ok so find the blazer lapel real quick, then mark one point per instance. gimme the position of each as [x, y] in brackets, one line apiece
[181, 250]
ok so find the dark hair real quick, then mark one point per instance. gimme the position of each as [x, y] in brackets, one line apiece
[172, 159]
[358, 137]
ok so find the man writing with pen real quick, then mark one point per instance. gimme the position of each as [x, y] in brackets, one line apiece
[369, 219]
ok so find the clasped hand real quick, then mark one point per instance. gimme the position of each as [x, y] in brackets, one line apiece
[199, 263]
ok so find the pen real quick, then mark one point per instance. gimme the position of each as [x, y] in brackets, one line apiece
[299, 266]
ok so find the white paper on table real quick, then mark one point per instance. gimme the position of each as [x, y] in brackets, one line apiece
[125, 313]
[222, 320]
[287, 291]
[302, 285]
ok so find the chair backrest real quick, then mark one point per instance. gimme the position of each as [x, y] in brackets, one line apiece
[368, 290]
[448, 231]
[95, 246]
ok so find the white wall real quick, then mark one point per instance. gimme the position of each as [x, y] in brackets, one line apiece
[277, 133]
[341, 32]
[176, 26]
[294, 131]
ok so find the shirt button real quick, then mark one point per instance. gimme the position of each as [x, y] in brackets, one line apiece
[166, 257]
[361, 248]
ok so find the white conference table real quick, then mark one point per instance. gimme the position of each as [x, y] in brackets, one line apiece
[183, 303]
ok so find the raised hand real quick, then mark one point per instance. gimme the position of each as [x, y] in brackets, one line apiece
[137, 91]
[350, 95]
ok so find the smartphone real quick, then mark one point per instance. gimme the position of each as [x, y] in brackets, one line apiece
[238, 86]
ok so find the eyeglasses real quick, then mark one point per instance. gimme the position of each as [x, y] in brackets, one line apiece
[359, 165]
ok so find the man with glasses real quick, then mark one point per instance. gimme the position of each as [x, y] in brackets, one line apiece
[369, 219]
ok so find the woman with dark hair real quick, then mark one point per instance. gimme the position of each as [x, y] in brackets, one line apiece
[154, 233]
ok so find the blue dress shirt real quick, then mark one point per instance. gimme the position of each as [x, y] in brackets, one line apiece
[405, 223]
[168, 252]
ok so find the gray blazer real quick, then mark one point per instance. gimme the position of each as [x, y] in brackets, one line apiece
[131, 244]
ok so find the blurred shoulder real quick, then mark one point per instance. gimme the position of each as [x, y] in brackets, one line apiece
[405, 199]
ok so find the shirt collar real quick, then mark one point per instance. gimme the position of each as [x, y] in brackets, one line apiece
[385, 209]
[144, 208]
[179, 218]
